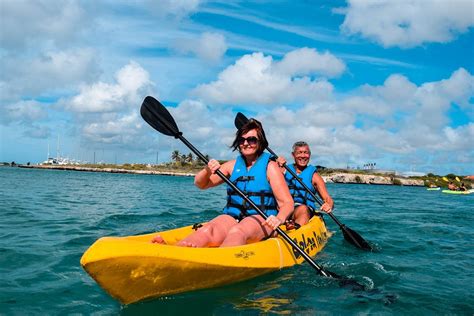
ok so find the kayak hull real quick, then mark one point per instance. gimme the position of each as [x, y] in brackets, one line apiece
[433, 189]
[457, 192]
[132, 269]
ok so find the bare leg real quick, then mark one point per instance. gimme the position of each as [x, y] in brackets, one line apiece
[250, 229]
[211, 234]
[301, 215]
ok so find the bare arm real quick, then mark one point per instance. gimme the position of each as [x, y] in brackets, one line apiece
[207, 177]
[280, 191]
[320, 186]
[281, 161]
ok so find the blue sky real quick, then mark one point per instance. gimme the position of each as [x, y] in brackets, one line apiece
[385, 82]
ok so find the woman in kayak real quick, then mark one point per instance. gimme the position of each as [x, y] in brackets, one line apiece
[259, 178]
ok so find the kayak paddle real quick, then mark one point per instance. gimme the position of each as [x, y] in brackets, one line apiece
[158, 117]
[350, 235]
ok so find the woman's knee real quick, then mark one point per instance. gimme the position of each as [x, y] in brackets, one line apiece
[218, 227]
[237, 230]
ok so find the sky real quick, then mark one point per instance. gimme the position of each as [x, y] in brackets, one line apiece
[384, 82]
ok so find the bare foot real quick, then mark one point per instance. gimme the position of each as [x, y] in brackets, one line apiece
[183, 243]
[158, 240]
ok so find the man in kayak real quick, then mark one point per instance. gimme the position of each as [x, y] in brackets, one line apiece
[259, 178]
[452, 186]
[304, 202]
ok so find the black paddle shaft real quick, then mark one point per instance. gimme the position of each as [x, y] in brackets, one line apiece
[156, 115]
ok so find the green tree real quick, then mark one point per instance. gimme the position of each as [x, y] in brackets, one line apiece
[183, 159]
[189, 158]
[176, 156]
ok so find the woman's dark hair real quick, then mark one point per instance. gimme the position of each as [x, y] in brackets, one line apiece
[250, 125]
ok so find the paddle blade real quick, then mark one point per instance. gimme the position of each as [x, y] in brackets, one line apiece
[240, 120]
[155, 114]
[458, 180]
[354, 238]
[445, 179]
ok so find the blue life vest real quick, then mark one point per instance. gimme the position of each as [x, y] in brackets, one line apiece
[254, 184]
[297, 190]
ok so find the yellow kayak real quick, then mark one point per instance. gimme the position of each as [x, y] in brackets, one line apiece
[132, 269]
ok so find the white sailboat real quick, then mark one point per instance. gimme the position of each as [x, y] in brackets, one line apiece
[58, 160]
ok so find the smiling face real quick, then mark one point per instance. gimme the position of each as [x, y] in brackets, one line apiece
[248, 143]
[301, 155]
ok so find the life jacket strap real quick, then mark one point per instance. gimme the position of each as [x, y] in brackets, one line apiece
[244, 178]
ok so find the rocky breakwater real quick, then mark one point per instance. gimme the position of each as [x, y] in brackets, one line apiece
[111, 170]
[371, 179]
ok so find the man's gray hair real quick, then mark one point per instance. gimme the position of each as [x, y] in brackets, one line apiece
[300, 144]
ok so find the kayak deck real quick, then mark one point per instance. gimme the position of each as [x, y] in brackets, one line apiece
[133, 269]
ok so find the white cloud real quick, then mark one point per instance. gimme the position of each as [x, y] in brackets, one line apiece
[307, 61]
[459, 87]
[395, 119]
[209, 46]
[173, 8]
[424, 105]
[258, 79]
[435, 98]
[408, 23]
[51, 71]
[132, 84]
[29, 23]
[201, 124]
[23, 111]
[38, 131]
[459, 138]
[114, 129]
[397, 90]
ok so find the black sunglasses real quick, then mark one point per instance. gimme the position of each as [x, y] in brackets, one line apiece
[251, 140]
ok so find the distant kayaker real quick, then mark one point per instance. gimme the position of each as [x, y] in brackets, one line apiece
[304, 202]
[259, 178]
[452, 186]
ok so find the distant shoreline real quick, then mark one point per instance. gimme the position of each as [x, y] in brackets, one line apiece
[109, 170]
[337, 177]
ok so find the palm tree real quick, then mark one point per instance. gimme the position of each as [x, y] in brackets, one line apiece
[189, 158]
[176, 156]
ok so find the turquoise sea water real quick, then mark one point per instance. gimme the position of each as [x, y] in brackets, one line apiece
[423, 265]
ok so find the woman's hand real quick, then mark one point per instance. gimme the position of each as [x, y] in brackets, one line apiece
[273, 222]
[206, 178]
[213, 165]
